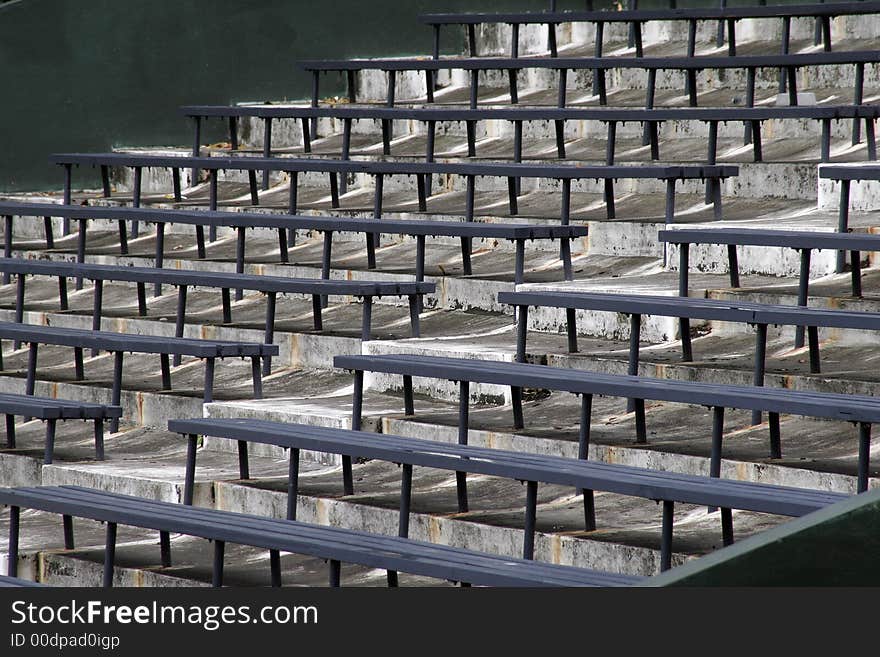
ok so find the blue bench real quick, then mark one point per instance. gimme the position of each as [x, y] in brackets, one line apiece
[333, 544]
[50, 410]
[858, 409]
[585, 476]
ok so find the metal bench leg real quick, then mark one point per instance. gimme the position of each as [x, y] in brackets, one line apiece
[275, 568]
[197, 143]
[209, 380]
[181, 319]
[858, 94]
[217, 575]
[463, 408]
[165, 549]
[561, 89]
[142, 299]
[19, 301]
[522, 329]
[516, 396]
[560, 139]
[335, 573]
[803, 290]
[813, 341]
[96, 309]
[610, 211]
[67, 523]
[136, 200]
[109, 555]
[243, 469]
[226, 304]
[47, 231]
[565, 247]
[670, 201]
[10, 431]
[116, 392]
[855, 259]
[292, 197]
[14, 526]
[584, 454]
[843, 221]
[68, 197]
[760, 364]
[50, 441]
[99, 439]
[269, 334]
[190, 477]
[530, 520]
[871, 138]
[357, 400]
[466, 255]
[408, 402]
[367, 318]
[62, 293]
[750, 99]
[347, 475]
[666, 540]
[326, 256]
[565, 213]
[826, 140]
[267, 148]
[317, 320]
[641, 428]
[283, 255]
[726, 527]
[31, 380]
[292, 482]
[571, 330]
[175, 184]
[200, 243]
[212, 200]
[239, 258]
[420, 265]
[775, 439]
[687, 351]
[469, 199]
[733, 265]
[403, 516]
[257, 375]
[635, 328]
[864, 455]
[717, 438]
[414, 306]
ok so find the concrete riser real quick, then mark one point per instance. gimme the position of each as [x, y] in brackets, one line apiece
[437, 529]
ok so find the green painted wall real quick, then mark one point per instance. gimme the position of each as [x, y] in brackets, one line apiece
[836, 546]
[86, 75]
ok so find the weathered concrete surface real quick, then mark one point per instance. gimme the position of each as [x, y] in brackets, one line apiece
[464, 319]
